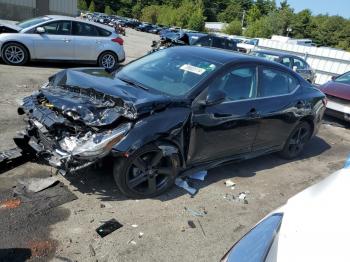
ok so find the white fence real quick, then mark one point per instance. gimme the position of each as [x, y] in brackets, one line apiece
[326, 62]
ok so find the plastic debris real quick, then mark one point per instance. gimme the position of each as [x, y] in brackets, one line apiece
[38, 184]
[132, 241]
[191, 224]
[108, 227]
[230, 183]
[141, 234]
[183, 184]
[134, 226]
[199, 175]
[195, 212]
[242, 196]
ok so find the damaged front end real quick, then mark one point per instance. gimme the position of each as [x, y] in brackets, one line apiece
[71, 128]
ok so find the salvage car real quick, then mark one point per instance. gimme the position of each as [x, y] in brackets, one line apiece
[312, 226]
[170, 113]
[60, 38]
[296, 63]
[338, 95]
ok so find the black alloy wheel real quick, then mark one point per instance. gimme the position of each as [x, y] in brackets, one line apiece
[297, 141]
[147, 173]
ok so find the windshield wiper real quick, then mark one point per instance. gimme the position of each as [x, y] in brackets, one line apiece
[133, 83]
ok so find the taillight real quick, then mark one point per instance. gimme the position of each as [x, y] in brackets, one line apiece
[324, 101]
[118, 40]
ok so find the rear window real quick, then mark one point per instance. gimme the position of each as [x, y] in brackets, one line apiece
[103, 32]
[266, 56]
[84, 29]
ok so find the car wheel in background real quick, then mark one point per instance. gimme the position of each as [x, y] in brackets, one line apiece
[297, 141]
[108, 60]
[14, 54]
[146, 173]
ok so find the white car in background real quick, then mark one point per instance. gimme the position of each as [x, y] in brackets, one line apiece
[312, 226]
[60, 38]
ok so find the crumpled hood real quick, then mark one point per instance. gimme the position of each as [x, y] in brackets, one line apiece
[9, 27]
[336, 89]
[95, 97]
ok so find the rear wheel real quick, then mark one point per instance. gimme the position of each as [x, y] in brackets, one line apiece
[108, 60]
[147, 173]
[14, 54]
[297, 141]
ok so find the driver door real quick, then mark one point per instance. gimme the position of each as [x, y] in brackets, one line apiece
[56, 43]
[228, 128]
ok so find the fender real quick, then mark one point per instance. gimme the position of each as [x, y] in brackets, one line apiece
[168, 126]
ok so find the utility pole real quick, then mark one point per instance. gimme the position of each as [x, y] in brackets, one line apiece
[243, 16]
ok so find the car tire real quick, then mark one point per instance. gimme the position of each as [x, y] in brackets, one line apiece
[108, 60]
[14, 54]
[297, 141]
[146, 173]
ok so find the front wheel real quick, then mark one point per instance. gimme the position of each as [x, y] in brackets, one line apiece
[14, 54]
[146, 173]
[108, 60]
[296, 141]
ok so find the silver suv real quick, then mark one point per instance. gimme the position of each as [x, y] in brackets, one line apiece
[60, 38]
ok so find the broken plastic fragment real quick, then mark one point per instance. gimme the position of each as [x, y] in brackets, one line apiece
[230, 183]
[242, 196]
[108, 227]
[199, 175]
[183, 184]
[141, 234]
[38, 184]
[195, 212]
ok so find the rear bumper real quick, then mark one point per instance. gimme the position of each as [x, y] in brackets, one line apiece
[338, 114]
[338, 110]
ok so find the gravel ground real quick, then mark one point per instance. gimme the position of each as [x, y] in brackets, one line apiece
[163, 221]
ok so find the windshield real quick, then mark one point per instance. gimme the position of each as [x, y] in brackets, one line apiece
[266, 56]
[345, 79]
[33, 21]
[168, 71]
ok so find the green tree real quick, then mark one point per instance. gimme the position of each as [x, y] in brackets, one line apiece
[136, 10]
[233, 28]
[253, 14]
[150, 14]
[108, 10]
[197, 21]
[232, 12]
[302, 24]
[82, 5]
[92, 7]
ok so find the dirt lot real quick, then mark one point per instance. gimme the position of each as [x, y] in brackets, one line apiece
[67, 232]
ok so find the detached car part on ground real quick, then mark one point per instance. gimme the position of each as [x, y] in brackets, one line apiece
[338, 94]
[170, 113]
[312, 226]
[60, 38]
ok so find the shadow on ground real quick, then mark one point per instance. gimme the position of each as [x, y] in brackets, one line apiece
[99, 181]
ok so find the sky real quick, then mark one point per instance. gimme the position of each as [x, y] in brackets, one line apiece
[332, 7]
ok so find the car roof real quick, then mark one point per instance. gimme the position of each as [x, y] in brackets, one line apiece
[222, 56]
[63, 17]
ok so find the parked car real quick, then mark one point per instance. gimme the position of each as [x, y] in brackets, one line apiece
[169, 113]
[145, 28]
[217, 42]
[61, 38]
[246, 45]
[294, 62]
[155, 30]
[338, 95]
[312, 226]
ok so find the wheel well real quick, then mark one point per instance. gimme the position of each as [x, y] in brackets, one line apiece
[18, 43]
[171, 144]
[98, 59]
[310, 121]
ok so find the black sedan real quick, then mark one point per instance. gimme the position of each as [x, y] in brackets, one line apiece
[296, 63]
[169, 113]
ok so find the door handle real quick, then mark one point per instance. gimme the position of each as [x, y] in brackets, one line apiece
[66, 40]
[98, 41]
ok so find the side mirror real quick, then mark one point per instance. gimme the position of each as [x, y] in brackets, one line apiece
[40, 30]
[334, 77]
[295, 68]
[214, 97]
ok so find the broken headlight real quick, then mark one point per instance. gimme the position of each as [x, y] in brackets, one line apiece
[93, 145]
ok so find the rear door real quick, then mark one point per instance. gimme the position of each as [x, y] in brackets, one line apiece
[228, 128]
[87, 40]
[56, 43]
[278, 105]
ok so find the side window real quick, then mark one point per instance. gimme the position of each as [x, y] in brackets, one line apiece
[58, 28]
[203, 41]
[219, 42]
[286, 61]
[275, 82]
[103, 32]
[238, 84]
[232, 45]
[84, 29]
[300, 64]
